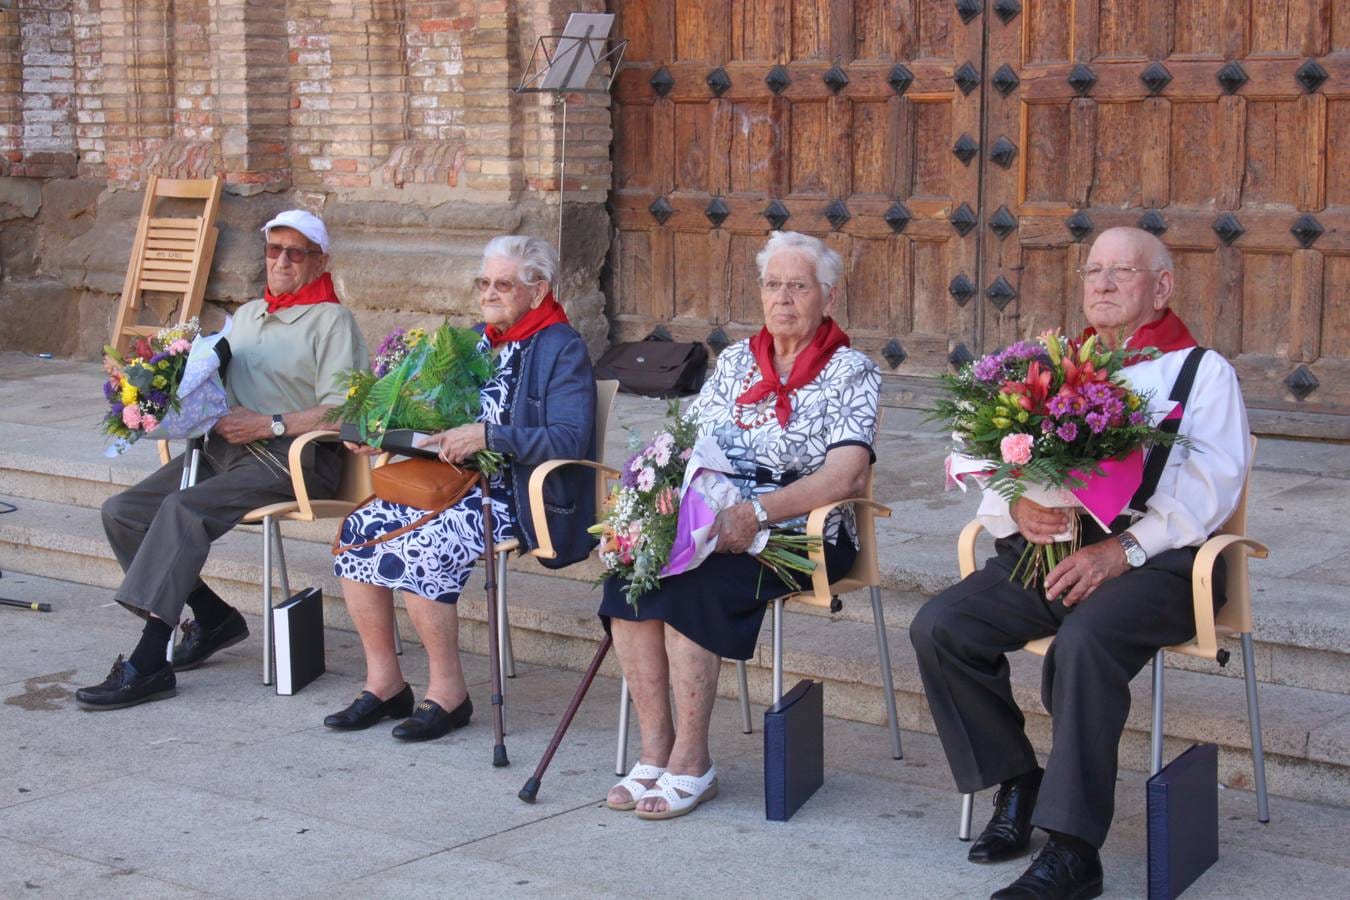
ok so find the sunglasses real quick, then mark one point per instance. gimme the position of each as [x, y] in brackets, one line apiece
[294, 254]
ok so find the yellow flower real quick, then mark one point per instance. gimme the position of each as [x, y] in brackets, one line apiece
[351, 392]
[159, 381]
[415, 336]
[164, 365]
[129, 393]
[1023, 416]
[1002, 422]
[1132, 401]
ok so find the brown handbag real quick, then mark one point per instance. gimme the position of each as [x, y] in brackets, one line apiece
[420, 483]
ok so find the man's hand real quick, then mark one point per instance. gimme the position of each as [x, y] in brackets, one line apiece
[1074, 579]
[458, 444]
[241, 426]
[1038, 524]
[735, 528]
[362, 449]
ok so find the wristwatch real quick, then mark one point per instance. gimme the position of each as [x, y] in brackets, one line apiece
[278, 426]
[1134, 554]
[761, 514]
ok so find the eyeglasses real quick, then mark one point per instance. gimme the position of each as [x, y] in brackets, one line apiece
[795, 288]
[294, 254]
[502, 285]
[1117, 274]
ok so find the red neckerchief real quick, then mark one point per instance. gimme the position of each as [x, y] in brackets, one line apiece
[828, 338]
[1165, 333]
[549, 312]
[320, 290]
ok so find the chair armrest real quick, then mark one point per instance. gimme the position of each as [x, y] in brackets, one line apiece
[539, 514]
[1202, 585]
[815, 527]
[164, 454]
[297, 475]
[965, 547]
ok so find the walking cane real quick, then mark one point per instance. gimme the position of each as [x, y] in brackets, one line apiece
[531, 788]
[498, 730]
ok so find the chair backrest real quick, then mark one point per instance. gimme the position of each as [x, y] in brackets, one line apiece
[605, 392]
[355, 484]
[1235, 617]
[169, 255]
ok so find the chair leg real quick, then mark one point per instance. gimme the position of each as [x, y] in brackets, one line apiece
[504, 653]
[746, 726]
[1156, 755]
[967, 813]
[887, 679]
[280, 552]
[267, 599]
[1254, 720]
[777, 649]
[621, 752]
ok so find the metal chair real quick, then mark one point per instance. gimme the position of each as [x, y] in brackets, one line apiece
[865, 573]
[1235, 618]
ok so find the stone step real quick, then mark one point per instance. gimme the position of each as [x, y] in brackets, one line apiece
[1307, 731]
[1302, 635]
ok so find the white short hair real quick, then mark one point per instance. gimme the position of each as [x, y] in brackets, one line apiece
[534, 257]
[829, 264]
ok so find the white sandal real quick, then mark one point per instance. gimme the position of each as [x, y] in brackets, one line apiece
[634, 787]
[699, 788]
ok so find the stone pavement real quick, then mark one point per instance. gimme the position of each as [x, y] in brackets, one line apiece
[228, 790]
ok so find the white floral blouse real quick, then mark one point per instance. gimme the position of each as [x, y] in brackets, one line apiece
[838, 408]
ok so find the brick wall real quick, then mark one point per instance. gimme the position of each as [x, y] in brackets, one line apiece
[37, 71]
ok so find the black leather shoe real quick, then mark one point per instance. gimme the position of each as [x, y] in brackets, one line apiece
[125, 687]
[1008, 833]
[429, 721]
[367, 709]
[1057, 873]
[199, 644]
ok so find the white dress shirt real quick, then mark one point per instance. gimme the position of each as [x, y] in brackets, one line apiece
[1200, 485]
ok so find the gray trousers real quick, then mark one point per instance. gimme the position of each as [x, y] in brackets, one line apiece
[162, 535]
[962, 636]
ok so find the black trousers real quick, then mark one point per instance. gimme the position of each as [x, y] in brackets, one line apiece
[962, 638]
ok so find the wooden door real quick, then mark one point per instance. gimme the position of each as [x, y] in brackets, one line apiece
[733, 117]
[1220, 125]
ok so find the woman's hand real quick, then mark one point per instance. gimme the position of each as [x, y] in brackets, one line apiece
[458, 444]
[362, 449]
[1038, 524]
[735, 528]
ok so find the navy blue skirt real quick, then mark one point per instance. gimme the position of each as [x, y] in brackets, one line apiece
[720, 605]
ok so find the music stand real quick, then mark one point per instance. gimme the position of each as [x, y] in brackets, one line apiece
[566, 68]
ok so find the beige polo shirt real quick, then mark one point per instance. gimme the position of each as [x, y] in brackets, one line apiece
[292, 359]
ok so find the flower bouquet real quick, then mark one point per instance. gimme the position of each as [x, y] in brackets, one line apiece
[420, 382]
[169, 385]
[1052, 419]
[657, 519]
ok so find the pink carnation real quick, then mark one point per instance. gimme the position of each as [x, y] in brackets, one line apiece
[1016, 449]
[149, 422]
[131, 416]
[181, 345]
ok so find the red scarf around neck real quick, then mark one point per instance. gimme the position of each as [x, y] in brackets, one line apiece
[320, 290]
[828, 338]
[549, 312]
[1166, 333]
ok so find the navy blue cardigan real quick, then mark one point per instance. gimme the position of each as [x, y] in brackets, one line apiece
[553, 417]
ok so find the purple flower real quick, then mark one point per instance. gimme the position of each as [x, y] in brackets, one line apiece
[628, 478]
[158, 398]
[1067, 432]
[107, 390]
[1097, 422]
[1047, 425]
[1136, 418]
[117, 408]
[988, 370]
[1060, 405]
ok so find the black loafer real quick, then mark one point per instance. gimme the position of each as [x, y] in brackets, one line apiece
[367, 709]
[1008, 834]
[125, 687]
[199, 644]
[430, 721]
[1058, 872]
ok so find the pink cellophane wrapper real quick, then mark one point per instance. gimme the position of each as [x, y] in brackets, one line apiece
[706, 491]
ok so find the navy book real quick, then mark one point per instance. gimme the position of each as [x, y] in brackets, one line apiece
[297, 635]
[794, 750]
[1183, 821]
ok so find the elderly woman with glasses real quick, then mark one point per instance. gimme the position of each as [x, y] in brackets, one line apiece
[539, 405]
[795, 410]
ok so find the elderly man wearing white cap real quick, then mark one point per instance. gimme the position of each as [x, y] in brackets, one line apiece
[289, 352]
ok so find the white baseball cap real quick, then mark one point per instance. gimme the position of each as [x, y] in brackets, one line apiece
[308, 224]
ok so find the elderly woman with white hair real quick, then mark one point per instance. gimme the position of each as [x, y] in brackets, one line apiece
[795, 410]
[539, 405]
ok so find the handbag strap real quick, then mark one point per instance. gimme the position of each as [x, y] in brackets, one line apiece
[1158, 455]
[397, 532]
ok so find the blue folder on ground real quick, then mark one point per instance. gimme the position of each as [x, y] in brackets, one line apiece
[1183, 821]
[794, 750]
[297, 628]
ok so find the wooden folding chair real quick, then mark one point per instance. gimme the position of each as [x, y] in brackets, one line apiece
[171, 255]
